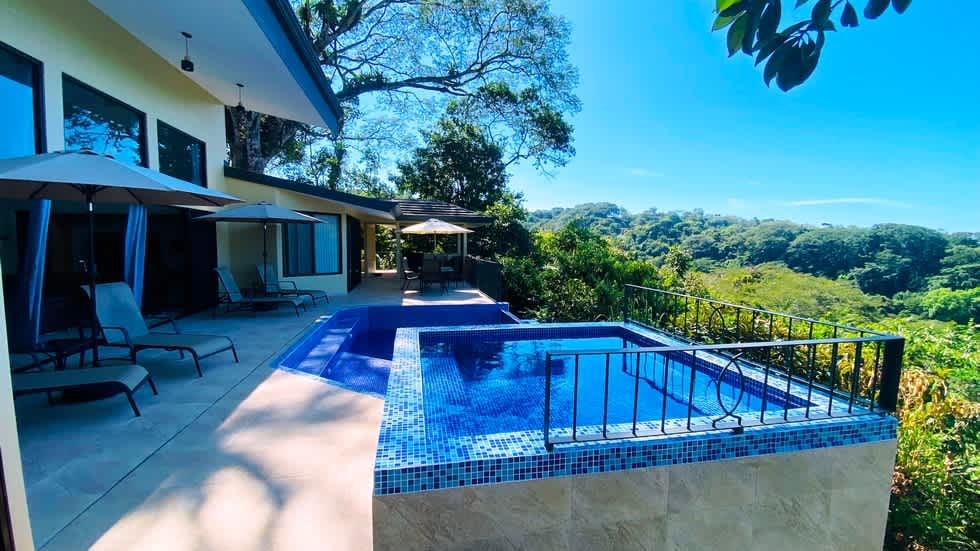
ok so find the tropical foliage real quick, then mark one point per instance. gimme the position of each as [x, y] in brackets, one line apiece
[581, 257]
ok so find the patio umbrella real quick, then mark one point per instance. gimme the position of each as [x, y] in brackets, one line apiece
[89, 177]
[435, 227]
[263, 213]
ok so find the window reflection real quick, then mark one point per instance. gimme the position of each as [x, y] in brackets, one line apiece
[104, 125]
[19, 86]
[181, 155]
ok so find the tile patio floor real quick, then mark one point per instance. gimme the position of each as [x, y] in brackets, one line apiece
[245, 458]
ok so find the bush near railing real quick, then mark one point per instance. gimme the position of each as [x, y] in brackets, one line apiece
[869, 367]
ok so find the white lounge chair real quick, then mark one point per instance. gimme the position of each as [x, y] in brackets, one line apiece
[122, 325]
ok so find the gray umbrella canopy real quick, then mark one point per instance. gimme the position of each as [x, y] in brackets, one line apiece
[263, 213]
[93, 178]
[81, 176]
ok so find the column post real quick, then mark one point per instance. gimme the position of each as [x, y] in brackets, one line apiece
[398, 250]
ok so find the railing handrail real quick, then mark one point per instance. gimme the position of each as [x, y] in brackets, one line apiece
[760, 310]
[725, 346]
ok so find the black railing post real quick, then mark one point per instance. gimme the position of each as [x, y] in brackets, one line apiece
[891, 374]
[547, 402]
[626, 303]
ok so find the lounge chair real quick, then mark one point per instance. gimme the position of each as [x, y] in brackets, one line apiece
[123, 378]
[277, 286]
[122, 325]
[233, 294]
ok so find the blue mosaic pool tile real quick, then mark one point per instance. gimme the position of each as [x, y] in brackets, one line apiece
[412, 458]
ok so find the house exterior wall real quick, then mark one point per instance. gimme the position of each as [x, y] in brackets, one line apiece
[13, 473]
[77, 39]
[240, 245]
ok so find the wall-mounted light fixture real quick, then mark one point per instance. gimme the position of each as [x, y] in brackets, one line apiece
[186, 63]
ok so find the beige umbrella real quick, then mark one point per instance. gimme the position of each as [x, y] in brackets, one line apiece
[435, 227]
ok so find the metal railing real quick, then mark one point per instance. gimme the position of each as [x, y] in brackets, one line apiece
[736, 367]
[485, 275]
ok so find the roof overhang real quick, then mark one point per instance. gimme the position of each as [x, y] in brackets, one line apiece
[257, 43]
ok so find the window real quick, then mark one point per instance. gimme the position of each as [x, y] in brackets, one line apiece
[20, 104]
[103, 124]
[312, 249]
[181, 155]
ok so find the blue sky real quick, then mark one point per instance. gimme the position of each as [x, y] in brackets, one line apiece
[886, 130]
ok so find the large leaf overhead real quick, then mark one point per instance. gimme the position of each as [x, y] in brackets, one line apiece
[791, 54]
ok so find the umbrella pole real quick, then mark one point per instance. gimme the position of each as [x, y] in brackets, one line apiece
[91, 278]
[265, 261]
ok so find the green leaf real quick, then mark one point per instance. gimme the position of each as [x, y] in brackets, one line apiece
[775, 62]
[748, 38]
[821, 11]
[901, 5]
[721, 22]
[850, 17]
[795, 27]
[733, 10]
[801, 2]
[875, 8]
[769, 22]
[736, 33]
[766, 49]
[721, 5]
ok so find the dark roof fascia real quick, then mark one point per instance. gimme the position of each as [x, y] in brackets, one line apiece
[284, 13]
[316, 191]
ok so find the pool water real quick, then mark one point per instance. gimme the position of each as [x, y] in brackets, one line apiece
[354, 347]
[364, 367]
[474, 387]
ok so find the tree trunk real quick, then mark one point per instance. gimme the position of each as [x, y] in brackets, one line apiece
[244, 134]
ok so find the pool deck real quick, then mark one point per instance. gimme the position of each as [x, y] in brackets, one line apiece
[246, 457]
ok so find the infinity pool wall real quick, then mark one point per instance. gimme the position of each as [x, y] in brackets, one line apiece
[821, 483]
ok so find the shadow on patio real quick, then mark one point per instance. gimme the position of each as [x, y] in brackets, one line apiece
[246, 457]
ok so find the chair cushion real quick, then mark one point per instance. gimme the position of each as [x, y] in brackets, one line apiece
[130, 375]
[202, 345]
[297, 301]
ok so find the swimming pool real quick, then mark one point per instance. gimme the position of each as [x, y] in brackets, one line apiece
[490, 381]
[353, 347]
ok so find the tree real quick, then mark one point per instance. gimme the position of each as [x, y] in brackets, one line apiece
[458, 164]
[792, 53]
[503, 61]
[828, 252]
[506, 235]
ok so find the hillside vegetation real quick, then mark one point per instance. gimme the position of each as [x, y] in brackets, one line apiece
[913, 281]
[925, 272]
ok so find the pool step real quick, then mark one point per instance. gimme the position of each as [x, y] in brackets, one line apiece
[322, 350]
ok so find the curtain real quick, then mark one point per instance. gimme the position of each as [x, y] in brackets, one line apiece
[326, 239]
[31, 282]
[134, 258]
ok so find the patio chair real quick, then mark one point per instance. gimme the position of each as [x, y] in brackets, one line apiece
[122, 325]
[286, 288]
[233, 294]
[409, 275]
[432, 273]
[123, 378]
